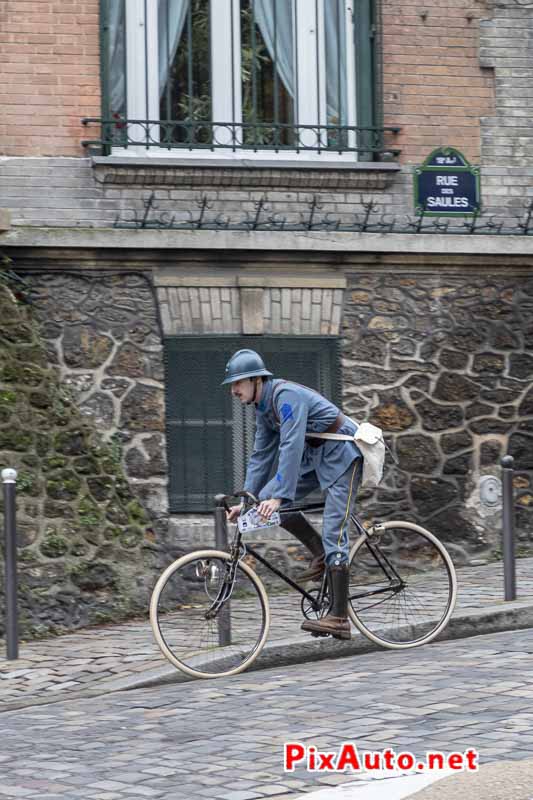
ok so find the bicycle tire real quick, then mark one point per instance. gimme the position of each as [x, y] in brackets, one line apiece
[405, 616]
[179, 634]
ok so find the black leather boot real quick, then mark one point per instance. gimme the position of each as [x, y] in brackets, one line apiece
[297, 524]
[336, 622]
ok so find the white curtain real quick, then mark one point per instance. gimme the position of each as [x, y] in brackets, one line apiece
[335, 32]
[282, 51]
[278, 37]
[172, 15]
[171, 20]
[117, 66]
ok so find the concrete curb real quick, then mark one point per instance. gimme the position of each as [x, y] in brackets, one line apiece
[492, 619]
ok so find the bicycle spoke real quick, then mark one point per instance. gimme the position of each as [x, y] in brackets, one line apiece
[188, 632]
[413, 612]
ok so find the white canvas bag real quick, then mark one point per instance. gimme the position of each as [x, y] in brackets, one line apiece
[369, 440]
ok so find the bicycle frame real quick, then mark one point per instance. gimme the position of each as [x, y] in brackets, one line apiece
[239, 549]
[315, 602]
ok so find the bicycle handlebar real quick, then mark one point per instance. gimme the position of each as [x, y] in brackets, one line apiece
[222, 499]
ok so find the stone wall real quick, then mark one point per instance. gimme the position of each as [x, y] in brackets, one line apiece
[103, 335]
[88, 551]
[444, 364]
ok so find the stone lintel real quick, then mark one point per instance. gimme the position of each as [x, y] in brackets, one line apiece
[296, 280]
[174, 277]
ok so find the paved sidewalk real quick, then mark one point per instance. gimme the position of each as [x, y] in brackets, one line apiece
[112, 658]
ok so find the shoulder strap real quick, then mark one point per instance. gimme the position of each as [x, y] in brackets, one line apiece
[274, 394]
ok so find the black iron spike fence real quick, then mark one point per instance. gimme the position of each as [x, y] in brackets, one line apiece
[369, 217]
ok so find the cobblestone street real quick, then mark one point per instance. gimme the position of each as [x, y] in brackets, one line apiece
[104, 659]
[223, 738]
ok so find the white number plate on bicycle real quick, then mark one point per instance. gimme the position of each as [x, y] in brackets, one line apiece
[252, 521]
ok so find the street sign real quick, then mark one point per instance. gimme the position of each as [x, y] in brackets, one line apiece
[446, 185]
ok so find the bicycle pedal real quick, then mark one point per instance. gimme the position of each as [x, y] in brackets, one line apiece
[318, 635]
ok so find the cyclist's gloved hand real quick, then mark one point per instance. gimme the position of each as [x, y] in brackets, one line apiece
[233, 513]
[267, 507]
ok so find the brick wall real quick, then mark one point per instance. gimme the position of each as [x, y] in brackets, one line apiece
[49, 75]
[442, 83]
[507, 135]
[434, 86]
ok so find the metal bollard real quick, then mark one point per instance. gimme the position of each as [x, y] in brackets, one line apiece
[509, 567]
[221, 543]
[9, 477]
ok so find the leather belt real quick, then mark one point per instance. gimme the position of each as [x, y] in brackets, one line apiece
[333, 428]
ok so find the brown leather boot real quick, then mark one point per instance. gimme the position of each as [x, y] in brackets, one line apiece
[297, 524]
[336, 622]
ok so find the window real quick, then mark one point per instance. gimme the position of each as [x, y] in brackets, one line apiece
[209, 434]
[227, 76]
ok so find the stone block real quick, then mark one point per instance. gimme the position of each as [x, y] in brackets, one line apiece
[5, 219]
[252, 311]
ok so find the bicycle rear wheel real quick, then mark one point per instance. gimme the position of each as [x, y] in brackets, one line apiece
[403, 585]
[209, 616]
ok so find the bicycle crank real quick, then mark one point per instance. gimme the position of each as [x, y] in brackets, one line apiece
[315, 609]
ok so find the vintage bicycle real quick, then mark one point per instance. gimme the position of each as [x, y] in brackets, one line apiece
[210, 611]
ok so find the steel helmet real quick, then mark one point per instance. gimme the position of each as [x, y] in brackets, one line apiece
[244, 364]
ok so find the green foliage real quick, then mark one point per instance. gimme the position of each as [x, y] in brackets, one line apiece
[64, 485]
[19, 288]
[136, 512]
[89, 513]
[8, 398]
[25, 482]
[54, 462]
[54, 546]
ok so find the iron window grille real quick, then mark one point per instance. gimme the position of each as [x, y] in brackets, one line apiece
[299, 77]
[209, 434]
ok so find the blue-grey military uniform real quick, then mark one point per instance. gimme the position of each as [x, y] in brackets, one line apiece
[301, 468]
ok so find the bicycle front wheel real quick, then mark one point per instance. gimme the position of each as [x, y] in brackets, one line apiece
[209, 616]
[403, 585]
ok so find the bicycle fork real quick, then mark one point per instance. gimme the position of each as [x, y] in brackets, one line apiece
[396, 582]
[224, 592]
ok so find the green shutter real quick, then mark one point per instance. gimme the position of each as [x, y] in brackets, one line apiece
[209, 436]
[366, 29]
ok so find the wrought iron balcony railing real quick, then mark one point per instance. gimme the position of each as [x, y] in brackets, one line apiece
[367, 143]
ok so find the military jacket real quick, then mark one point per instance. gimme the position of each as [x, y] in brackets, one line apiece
[300, 410]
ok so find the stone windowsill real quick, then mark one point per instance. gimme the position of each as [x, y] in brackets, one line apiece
[245, 173]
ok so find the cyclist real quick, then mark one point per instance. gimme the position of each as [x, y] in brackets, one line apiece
[286, 414]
